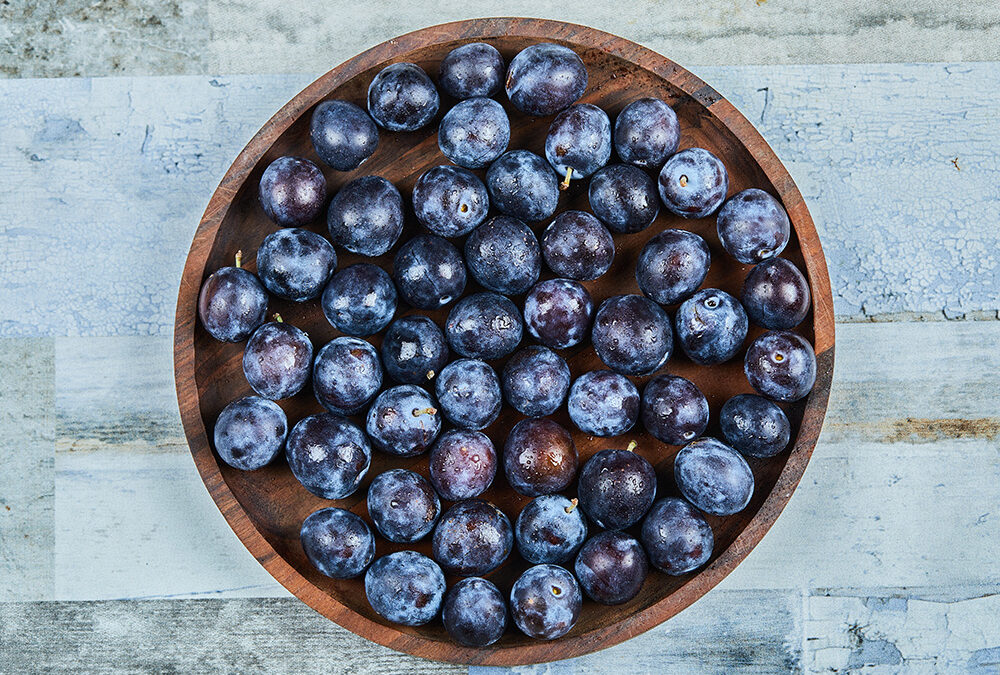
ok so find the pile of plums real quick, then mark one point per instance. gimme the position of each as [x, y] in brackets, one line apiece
[432, 389]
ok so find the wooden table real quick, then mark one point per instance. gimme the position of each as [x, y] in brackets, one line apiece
[113, 556]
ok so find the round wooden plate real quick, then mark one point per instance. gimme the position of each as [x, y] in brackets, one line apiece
[266, 508]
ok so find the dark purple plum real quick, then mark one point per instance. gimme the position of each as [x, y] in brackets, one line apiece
[292, 191]
[474, 612]
[503, 255]
[232, 303]
[473, 538]
[523, 185]
[450, 201]
[624, 198]
[342, 134]
[776, 295]
[403, 505]
[753, 226]
[545, 78]
[781, 365]
[366, 216]
[346, 375]
[646, 133]
[360, 300]
[483, 326]
[402, 98]
[539, 457]
[403, 421]
[578, 246]
[754, 426]
[295, 264]
[711, 326]
[713, 477]
[632, 334]
[672, 265]
[250, 432]
[337, 542]
[474, 133]
[677, 538]
[429, 272]
[413, 350]
[558, 312]
[328, 454]
[603, 403]
[611, 568]
[616, 488]
[277, 360]
[535, 381]
[405, 587]
[674, 410]
[474, 69]
[462, 464]
[468, 392]
[545, 602]
[578, 142]
[693, 183]
[550, 529]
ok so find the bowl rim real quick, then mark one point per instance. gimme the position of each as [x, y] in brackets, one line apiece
[574, 644]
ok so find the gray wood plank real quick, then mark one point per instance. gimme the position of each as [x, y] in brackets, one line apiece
[27, 477]
[854, 138]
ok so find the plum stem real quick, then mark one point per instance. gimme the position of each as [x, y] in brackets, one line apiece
[277, 318]
[569, 176]
[417, 412]
[239, 258]
[631, 447]
[430, 374]
[572, 505]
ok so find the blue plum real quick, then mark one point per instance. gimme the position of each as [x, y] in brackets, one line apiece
[535, 381]
[473, 538]
[250, 432]
[545, 602]
[677, 538]
[754, 426]
[474, 69]
[462, 464]
[429, 272]
[558, 312]
[550, 529]
[713, 477]
[468, 392]
[277, 360]
[753, 226]
[342, 134]
[781, 365]
[474, 133]
[337, 542]
[483, 326]
[413, 350]
[523, 185]
[624, 198]
[295, 264]
[292, 191]
[474, 612]
[450, 201]
[346, 375]
[616, 488]
[328, 454]
[232, 303]
[539, 457]
[693, 183]
[647, 133]
[672, 265]
[576, 245]
[545, 78]
[578, 142]
[402, 98]
[405, 587]
[611, 568]
[632, 334]
[674, 410]
[603, 403]
[403, 505]
[403, 421]
[360, 300]
[776, 295]
[503, 255]
[711, 326]
[366, 216]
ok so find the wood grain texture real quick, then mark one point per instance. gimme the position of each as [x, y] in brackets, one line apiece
[266, 508]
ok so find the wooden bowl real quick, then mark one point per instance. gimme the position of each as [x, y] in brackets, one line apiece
[266, 508]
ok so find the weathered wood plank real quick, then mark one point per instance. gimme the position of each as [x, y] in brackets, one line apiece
[27, 478]
[853, 137]
[189, 636]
